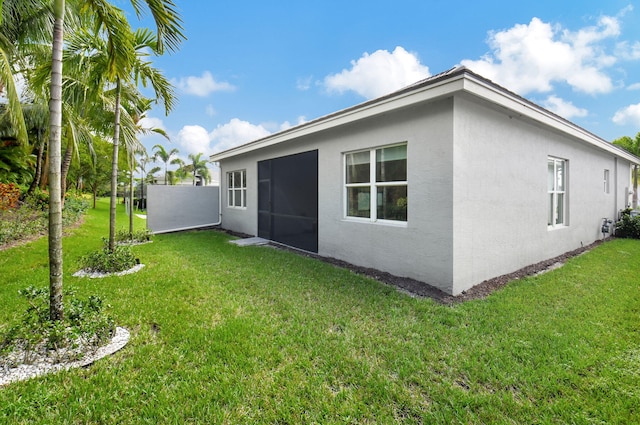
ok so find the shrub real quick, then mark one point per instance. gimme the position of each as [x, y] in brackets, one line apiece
[107, 261]
[85, 328]
[38, 200]
[30, 218]
[74, 207]
[21, 223]
[628, 226]
[9, 195]
[138, 236]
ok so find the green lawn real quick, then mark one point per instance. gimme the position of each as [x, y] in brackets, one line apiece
[222, 334]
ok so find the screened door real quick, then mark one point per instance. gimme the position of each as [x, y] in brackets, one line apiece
[288, 200]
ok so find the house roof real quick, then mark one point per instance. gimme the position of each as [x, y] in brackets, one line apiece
[455, 80]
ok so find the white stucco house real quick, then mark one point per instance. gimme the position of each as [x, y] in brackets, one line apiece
[450, 181]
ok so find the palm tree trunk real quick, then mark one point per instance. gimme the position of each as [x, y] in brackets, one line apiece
[635, 187]
[64, 170]
[44, 180]
[114, 172]
[56, 311]
[131, 197]
[38, 173]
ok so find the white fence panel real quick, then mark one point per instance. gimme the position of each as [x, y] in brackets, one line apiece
[173, 208]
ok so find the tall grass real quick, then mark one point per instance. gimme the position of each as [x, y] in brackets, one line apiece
[224, 334]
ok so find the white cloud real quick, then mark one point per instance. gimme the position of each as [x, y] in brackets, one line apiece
[304, 83]
[202, 86]
[286, 125]
[234, 133]
[628, 115]
[563, 108]
[531, 58]
[193, 139]
[378, 73]
[628, 51]
[210, 110]
[634, 86]
[196, 139]
[151, 122]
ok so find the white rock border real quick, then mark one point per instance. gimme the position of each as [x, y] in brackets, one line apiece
[28, 371]
[99, 275]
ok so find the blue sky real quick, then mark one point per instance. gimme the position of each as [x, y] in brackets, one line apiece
[251, 68]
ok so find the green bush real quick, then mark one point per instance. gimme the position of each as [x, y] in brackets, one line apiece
[628, 226]
[107, 261]
[38, 200]
[86, 326]
[31, 218]
[138, 236]
[21, 223]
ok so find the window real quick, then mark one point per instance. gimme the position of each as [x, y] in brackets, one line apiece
[556, 172]
[606, 181]
[237, 189]
[376, 183]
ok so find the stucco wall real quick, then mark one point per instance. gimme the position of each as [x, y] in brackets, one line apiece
[422, 248]
[477, 206]
[500, 186]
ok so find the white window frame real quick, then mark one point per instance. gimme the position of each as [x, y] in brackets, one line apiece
[235, 188]
[607, 185]
[373, 186]
[555, 192]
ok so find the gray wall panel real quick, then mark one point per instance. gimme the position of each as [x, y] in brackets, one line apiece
[172, 208]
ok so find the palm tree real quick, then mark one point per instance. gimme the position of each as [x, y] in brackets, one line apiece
[161, 153]
[198, 166]
[631, 146]
[142, 72]
[20, 21]
[180, 173]
[169, 31]
[56, 310]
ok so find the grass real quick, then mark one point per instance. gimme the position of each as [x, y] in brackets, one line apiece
[223, 334]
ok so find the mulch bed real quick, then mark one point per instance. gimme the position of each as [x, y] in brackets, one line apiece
[420, 289]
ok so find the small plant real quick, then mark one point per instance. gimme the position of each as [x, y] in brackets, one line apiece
[38, 200]
[84, 329]
[29, 218]
[107, 261]
[138, 236]
[628, 226]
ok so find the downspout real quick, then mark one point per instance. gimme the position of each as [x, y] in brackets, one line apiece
[200, 226]
[615, 192]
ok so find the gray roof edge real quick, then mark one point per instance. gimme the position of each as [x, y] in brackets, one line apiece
[410, 88]
[451, 74]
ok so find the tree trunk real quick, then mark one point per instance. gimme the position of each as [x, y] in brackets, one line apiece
[56, 310]
[131, 166]
[44, 180]
[114, 172]
[64, 170]
[635, 187]
[38, 174]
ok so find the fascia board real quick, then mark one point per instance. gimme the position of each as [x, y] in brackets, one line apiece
[521, 107]
[365, 110]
